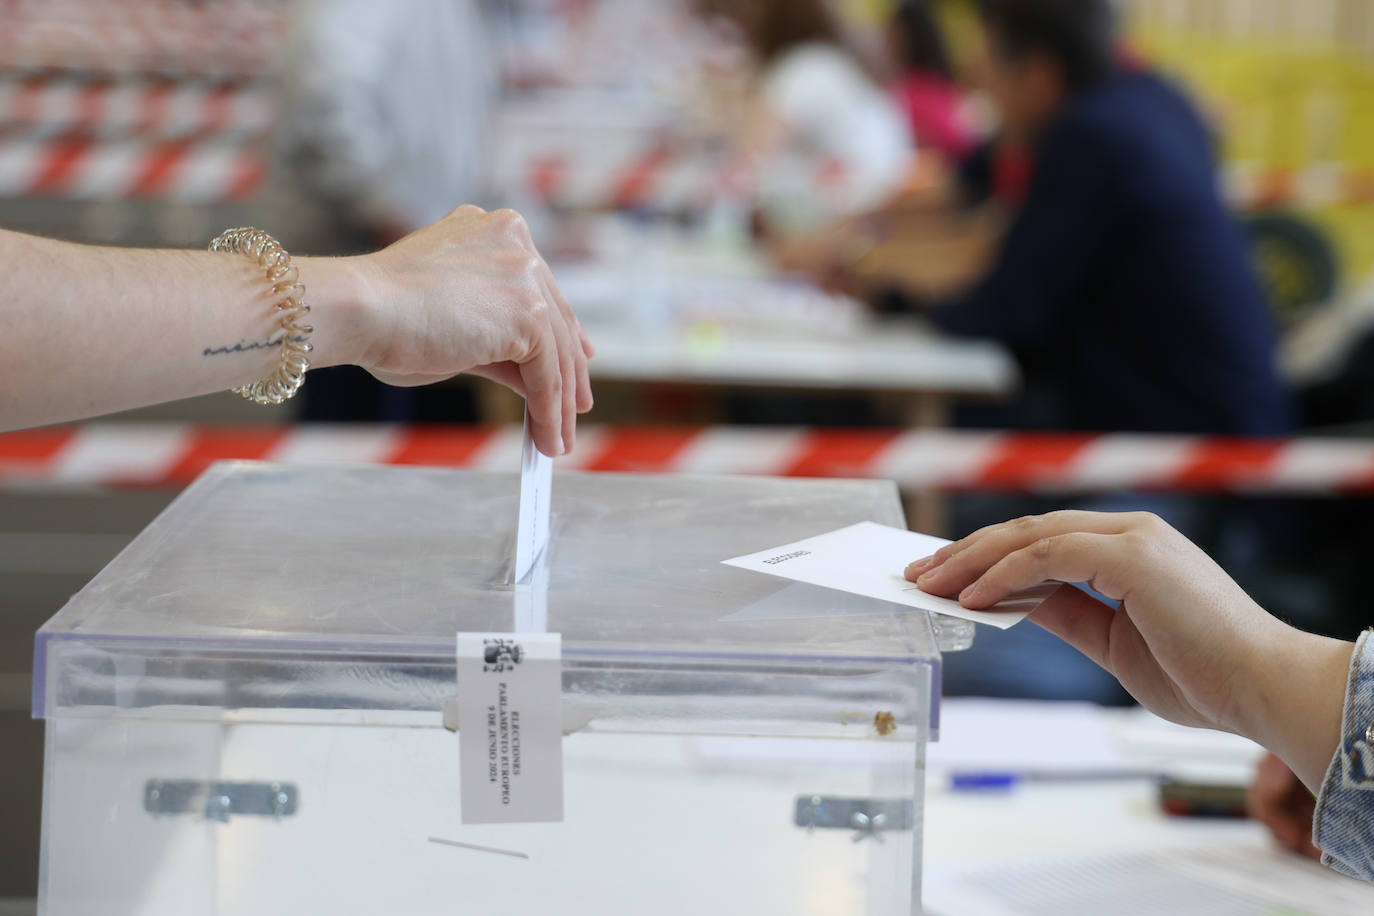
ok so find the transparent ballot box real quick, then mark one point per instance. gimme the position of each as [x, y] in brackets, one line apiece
[245, 710]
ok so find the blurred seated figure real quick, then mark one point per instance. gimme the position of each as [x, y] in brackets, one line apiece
[926, 89]
[1124, 284]
[1125, 287]
[385, 131]
[940, 231]
[817, 125]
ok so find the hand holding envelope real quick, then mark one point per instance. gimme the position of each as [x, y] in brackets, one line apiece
[867, 559]
[1186, 641]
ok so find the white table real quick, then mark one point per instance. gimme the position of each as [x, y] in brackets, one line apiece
[664, 309]
[673, 311]
[883, 356]
[1111, 833]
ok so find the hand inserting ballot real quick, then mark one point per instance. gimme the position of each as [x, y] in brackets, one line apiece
[1187, 642]
[87, 330]
[471, 293]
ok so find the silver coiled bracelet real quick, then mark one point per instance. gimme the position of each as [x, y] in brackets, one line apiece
[293, 334]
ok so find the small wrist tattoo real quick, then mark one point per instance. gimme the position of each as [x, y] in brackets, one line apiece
[244, 346]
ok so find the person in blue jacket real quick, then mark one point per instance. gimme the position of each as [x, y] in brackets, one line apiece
[1126, 289]
[1124, 285]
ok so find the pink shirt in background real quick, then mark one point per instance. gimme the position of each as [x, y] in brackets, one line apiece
[933, 107]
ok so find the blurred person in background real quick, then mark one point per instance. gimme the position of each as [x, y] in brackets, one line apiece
[388, 114]
[820, 140]
[1124, 284]
[925, 87]
[811, 98]
[1125, 288]
[938, 231]
[1129, 293]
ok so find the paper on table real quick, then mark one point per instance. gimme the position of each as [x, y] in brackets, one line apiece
[868, 559]
[1238, 878]
[536, 494]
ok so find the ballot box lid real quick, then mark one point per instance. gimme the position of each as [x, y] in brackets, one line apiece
[265, 584]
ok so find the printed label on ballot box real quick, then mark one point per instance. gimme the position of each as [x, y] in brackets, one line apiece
[510, 727]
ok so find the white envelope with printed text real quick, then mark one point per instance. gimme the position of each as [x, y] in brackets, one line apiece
[869, 559]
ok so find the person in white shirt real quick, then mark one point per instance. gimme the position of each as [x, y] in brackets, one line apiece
[816, 102]
[385, 128]
[388, 107]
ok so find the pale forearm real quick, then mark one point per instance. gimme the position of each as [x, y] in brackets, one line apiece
[1294, 700]
[86, 330]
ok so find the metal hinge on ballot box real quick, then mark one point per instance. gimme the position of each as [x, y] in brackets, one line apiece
[218, 800]
[867, 817]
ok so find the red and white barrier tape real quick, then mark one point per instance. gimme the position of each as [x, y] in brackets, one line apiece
[586, 166]
[197, 171]
[226, 36]
[54, 106]
[1317, 185]
[173, 455]
[688, 181]
[656, 177]
[124, 99]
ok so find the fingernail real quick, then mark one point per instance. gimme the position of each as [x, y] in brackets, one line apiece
[920, 565]
[968, 593]
[927, 576]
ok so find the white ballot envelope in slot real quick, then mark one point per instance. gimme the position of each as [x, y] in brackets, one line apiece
[239, 723]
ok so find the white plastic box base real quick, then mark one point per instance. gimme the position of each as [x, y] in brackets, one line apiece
[664, 824]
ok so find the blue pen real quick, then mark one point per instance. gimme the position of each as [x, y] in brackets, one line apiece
[983, 782]
[1005, 781]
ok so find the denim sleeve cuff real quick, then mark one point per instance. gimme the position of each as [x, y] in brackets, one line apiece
[1344, 824]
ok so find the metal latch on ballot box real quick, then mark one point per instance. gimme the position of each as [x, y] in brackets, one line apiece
[867, 817]
[218, 800]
